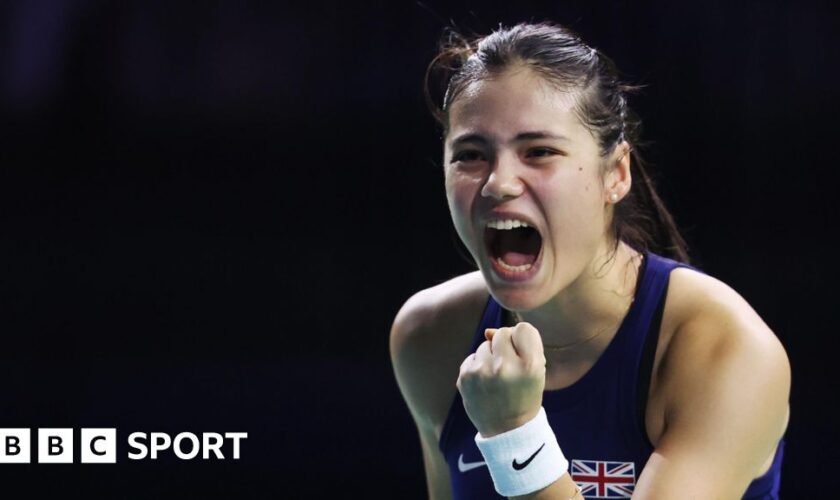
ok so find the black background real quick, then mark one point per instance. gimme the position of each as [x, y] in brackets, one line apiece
[211, 212]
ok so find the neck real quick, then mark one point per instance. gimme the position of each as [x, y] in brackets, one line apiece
[583, 318]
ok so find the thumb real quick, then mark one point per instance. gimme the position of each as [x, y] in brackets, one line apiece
[488, 333]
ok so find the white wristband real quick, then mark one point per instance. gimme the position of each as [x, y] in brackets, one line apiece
[525, 459]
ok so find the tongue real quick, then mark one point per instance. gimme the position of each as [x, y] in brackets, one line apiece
[518, 247]
[517, 259]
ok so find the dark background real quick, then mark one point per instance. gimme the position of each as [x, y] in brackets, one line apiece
[211, 212]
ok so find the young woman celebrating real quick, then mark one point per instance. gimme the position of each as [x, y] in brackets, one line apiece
[585, 357]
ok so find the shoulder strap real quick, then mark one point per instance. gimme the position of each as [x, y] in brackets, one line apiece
[655, 291]
[646, 366]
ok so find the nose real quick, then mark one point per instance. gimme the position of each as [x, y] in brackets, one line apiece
[503, 181]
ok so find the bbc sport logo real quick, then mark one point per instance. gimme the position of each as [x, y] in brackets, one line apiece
[99, 445]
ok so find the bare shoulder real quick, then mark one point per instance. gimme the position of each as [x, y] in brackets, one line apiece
[724, 371]
[438, 305]
[713, 318]
[429, 339]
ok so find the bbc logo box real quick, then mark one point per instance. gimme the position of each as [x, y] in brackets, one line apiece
[15, 446]
[56, 446]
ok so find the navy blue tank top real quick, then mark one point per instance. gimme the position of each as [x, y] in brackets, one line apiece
[599, 420]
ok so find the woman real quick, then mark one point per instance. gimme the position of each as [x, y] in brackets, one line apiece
[598, 364]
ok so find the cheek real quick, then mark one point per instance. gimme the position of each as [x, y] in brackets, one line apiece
[574, 205]
[458, 199]
[461, 190]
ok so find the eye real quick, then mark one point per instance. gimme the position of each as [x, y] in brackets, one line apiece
[541, 152]
[467, 155]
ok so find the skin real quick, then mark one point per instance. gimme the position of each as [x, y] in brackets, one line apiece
[714, 351]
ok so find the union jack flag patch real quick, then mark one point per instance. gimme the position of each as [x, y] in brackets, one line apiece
[599, 479]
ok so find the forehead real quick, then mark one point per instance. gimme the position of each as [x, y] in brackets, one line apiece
[515, 101]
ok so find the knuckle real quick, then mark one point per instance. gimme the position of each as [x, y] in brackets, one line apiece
[507, 371]
[499, 366]
[466, 378]
[528, 329]
[466, 362]
[486, 371]
[534, 364]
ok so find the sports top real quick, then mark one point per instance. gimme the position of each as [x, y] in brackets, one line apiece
[599, 420]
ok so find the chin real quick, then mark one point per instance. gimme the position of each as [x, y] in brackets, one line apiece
[515, 297]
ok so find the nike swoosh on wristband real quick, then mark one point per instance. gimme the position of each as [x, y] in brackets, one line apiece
[518, 466]
[466, 467]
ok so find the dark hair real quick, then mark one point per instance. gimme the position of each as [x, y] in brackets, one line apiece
[559, 55]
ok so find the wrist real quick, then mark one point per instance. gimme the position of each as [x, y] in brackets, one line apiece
[488, 431]
[525, 459]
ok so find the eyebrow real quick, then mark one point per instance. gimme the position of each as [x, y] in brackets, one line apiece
[522, 136]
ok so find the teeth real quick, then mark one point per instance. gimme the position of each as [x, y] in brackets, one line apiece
[506, 224]
[516, 269]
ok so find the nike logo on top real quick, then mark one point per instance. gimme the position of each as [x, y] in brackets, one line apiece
[518, 466]
[468, 466]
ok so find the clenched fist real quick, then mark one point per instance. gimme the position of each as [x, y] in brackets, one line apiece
[502, 382]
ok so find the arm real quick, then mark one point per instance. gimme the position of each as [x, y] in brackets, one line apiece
[727, 382]
[437, 472]
[410, 347]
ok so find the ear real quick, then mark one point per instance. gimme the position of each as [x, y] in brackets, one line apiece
[617, 179]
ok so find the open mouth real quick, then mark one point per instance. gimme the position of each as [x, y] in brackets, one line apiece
[512, 245]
